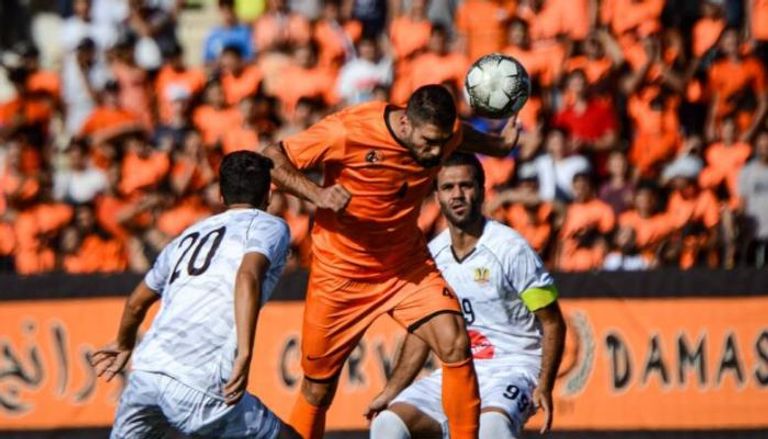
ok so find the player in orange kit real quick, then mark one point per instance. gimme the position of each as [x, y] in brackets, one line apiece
[369, 256]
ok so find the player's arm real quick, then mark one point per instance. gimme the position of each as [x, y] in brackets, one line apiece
[110, 360]
[552, 343]
[322, 143]
[248, 281]
[289, 178]
[411, 359]
[501, 145]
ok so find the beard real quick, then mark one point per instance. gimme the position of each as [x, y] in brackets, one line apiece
[469, 217]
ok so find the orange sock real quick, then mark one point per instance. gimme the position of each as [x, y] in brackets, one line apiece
[308, 420]
[461, 399]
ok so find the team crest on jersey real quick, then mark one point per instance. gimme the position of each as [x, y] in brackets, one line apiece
[482, 275]
[373, 156]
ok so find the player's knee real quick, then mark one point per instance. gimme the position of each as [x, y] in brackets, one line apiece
[318, 393]
[496, 425]
[387, 425]
[453, 347]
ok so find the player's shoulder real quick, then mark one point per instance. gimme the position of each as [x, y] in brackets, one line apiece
[263, 220]
[364, 110]
[503, 241]
[440, 244]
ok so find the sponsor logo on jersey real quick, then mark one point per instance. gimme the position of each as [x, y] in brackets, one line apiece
[373, 156]
[482, 349]
[482, 275]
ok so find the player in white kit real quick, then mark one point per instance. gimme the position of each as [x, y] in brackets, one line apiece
[513, 319]
[190, 371]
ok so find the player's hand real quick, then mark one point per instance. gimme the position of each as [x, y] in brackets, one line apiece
[234, 389]
[511, 132]
[334, 197]
[110, 360]
[379, 403]
[542, 399]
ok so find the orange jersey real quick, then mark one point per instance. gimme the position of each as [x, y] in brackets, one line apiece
[377, 235]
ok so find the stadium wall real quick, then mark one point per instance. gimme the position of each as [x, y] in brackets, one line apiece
[657, 354]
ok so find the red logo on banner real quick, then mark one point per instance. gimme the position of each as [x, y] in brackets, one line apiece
[482, 349]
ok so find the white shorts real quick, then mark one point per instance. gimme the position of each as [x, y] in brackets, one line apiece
[153, 404]
[502, 386]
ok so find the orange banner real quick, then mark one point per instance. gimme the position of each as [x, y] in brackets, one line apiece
[629, 364]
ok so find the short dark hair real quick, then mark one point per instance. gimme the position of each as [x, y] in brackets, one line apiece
[244, 178]
[233, 49]
[432, 104]
[466, 159]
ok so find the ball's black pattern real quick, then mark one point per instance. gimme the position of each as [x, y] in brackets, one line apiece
[497, 86]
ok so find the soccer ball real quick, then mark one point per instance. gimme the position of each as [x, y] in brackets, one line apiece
[497, 86]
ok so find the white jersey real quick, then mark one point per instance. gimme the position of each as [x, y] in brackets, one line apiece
[498, 284]
[193, 338]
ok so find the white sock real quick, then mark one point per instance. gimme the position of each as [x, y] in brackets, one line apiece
[495, 425]
[387, 425]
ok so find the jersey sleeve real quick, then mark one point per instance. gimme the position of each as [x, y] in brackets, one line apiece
[322, 142]
[157, 276]
[269, 238]
[527, 276]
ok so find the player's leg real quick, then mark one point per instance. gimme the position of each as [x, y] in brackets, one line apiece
[404, 421]
[416, 412]
[507, 392]
[496, 424]
[430, 310]
[446, 335]
[138, 414]
[331, 329]
[199, 415]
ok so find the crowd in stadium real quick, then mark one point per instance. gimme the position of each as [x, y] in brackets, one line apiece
[644, 139]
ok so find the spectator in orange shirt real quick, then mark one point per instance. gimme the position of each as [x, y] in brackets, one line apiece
[279, 28]
[191, 171]
[173, 79]
[586, 227]
[215, 117]
[142, 168]
[244, 136]
[650, 229]
[86, 248]
[725, 159]
[305, 79]
[623, 16]
[29, 112]
[481, 26]
[708, 28]
[653, 112]
[134, 82]
[110, 119]
[409, 32]
[540, 64]
[237, 79]
[335, 36]
[693, 212]
[738, 86]
[42, 85]
[523, 210]
[600, 57]
[550, 19]
[757, 19]
[36, 228]
[438, 64]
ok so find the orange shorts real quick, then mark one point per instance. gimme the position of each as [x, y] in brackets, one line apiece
[338, 311]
